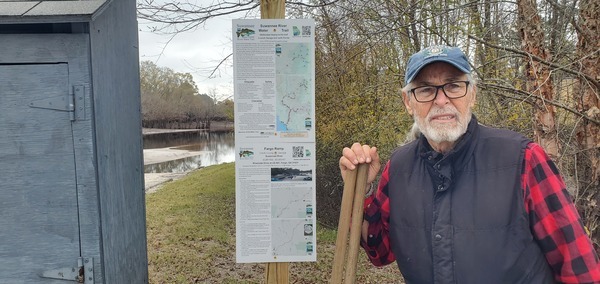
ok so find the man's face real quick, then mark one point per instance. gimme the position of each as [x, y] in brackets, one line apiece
[441, 120]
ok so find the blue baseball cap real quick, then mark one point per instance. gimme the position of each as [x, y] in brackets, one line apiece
[448, 54]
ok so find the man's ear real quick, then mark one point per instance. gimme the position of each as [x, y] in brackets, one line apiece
[406, 100]
[474, 98]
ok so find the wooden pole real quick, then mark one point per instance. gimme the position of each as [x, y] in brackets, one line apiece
[275, 272]
[339, 258]
[357, 220]
[272, 9]
[353, 198]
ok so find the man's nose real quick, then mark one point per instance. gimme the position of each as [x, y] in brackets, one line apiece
[441, 98]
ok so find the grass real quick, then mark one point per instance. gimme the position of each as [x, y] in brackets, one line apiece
[191, 237]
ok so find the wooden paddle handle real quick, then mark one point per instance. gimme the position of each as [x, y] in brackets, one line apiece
[357, 220]
[354, 186]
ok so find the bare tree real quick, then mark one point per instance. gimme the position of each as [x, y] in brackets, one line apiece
[539, 82]
[181, 16]
[587, 94]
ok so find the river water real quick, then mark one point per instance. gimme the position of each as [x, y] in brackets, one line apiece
[204, 149]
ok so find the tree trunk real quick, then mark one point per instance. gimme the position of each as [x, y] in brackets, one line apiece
[413, 33]
[538, 79]
[588, 102]
[588, 134]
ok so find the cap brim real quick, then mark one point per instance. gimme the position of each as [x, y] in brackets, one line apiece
[432, 60]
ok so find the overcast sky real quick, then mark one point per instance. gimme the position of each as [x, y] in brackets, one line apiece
[195, 52]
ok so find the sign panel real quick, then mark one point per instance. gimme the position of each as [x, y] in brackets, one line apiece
[275, 140]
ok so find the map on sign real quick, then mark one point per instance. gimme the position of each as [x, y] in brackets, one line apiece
[294, 87]
[294, 237]
[291, 203]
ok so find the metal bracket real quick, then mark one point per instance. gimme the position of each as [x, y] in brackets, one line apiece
[60, 103]
[88, 271]
[66, 273]
[80, 101]
[83, 273]
[75, 103]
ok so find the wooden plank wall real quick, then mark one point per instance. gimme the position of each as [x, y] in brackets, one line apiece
[115, 80]
[74, 50]
[39, 219]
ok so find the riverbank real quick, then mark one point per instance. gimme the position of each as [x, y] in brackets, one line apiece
[160, 155]
[153, 181]
[168, 152]
[153, 131]
[215, 126]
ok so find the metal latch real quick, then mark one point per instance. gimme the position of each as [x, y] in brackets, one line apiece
[83, 273]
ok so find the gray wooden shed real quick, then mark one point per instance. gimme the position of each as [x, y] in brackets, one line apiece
[71, 171]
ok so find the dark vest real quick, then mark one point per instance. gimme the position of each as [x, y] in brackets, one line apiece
[460, 217]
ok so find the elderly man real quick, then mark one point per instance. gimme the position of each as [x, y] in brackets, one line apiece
[465, 203]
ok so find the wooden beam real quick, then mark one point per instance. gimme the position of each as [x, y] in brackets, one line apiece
[272, 9]
[276, 272]
[339, 258]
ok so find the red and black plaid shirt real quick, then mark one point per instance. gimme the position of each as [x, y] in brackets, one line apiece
[554, 221]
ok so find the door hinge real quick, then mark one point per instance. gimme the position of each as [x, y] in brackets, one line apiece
[83, 273]
[74, 103]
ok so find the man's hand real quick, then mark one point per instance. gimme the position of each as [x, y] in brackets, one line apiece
[358, 154]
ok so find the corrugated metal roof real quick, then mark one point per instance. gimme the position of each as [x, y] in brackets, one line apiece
[49, 8]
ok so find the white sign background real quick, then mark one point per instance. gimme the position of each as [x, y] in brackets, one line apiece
[274, 95]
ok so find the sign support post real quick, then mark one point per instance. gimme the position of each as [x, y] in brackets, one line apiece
[275, 272]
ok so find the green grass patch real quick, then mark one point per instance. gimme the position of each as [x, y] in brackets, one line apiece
[191, 237]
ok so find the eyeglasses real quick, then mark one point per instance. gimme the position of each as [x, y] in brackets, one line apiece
[452, 90]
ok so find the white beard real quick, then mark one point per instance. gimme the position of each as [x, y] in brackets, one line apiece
[443, 133]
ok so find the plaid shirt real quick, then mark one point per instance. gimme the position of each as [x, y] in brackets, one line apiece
[553, 218]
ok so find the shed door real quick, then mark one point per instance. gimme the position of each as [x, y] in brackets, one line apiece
[38, 199]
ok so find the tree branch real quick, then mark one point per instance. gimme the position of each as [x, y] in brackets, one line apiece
[531, 99]
[300, 3]
[172, 14]
[562, 9]
[538, 59]
[219, 65]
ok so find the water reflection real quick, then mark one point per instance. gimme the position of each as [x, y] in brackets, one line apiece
[212, 148]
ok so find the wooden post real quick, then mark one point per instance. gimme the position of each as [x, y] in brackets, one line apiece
[272, 9]
[351, 213]
[339, 259]
[357, 220]
[275, 272]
